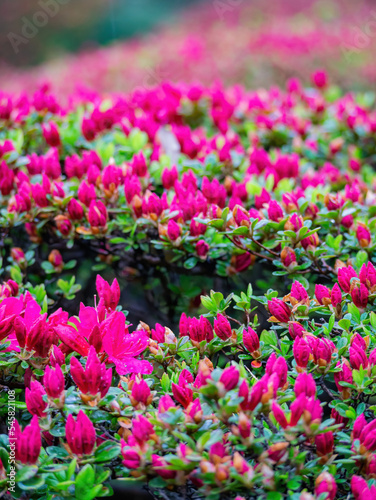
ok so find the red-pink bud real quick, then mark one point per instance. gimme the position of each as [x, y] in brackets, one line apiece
[302, 352]
[325, 483]
[173, 230]
[275, 212]
[34, 399]
[75, 209]
[367, 275]
[53, 381]
[304, 384]
[222, 327]
[51, 134]
[251, 341]
[320, 79]
[202, 248]
[230, 377]
[324, 444]
[296, 329]
[345, 274]
[359, 295]
[363, 235]
[322, 294]
[28, 442]
[183, 395]
[298, 292]
[336, 295]
[80, 434]
[279, 309]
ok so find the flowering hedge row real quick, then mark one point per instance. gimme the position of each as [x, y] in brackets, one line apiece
[225, 40]
[221, 406]
[187, 177]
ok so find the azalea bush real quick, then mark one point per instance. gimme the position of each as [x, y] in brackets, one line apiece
[186, 180]
[220, 407]
[264, 391]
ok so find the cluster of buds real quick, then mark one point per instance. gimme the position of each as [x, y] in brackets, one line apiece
[197, 330]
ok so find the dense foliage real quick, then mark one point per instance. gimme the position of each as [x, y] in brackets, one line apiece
[264, 393]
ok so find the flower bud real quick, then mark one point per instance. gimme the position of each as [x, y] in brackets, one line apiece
[222, 327]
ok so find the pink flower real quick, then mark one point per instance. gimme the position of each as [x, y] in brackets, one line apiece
[122, 347]
[110, 295]
[94, 378]
[34, 399]
[222, 327]
[251, 341]
[345, 274]
[80, 434]
[363, 235]
[54, 381]
[279, 309]
[28, 442]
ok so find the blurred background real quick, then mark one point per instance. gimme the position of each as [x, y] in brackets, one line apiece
[117, 45]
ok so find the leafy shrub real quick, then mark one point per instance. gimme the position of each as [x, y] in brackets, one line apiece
[266, 392]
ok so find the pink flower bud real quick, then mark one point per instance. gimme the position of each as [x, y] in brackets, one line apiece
[345, 274]
[222, 327]
[142, 429]
[322, 294]
[34, 399]
[94, 379]
[262, 199]
[80, 434]
[359, 295]
[202, 248]
[325, 483]
[304, 384]
[86, 194]
[173, 230]
[301, 352]
[363, 235]
[251, 341]
[28, 442]
[183, 395]
[288, 257]
[53, 381]
[279, 309]
[51, 134]
[336, 295]
[97, 215]
[230, 377]
[279, 415]
[75, 209]
[169, 177]
[367, 275]
[165, 403]
[89, 129]
[324, 444]
[320, 79]
[131, 458]
[298, 292]
[275, 212]
[296, 329]
[141, 393]
[358, 357]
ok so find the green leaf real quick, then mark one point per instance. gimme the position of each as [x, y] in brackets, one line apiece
[26, 473]
[84, 483]
[107, 451]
